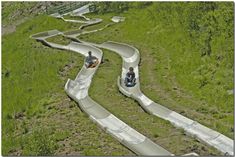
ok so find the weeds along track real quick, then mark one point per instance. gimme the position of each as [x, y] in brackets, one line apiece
[78, 90]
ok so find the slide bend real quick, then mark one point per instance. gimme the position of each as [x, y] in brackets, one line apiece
[78, 90]
[131, 57]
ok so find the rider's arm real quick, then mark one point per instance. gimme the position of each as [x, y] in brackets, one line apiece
[133, 75]
[128, 75]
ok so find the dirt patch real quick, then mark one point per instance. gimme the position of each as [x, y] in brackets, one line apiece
[63, 72]
[19, 115]
[15, 152]
[7, 29]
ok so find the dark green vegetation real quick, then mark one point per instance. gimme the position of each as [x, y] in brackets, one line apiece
[187, 65]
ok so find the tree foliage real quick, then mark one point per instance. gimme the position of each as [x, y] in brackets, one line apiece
[205, 22]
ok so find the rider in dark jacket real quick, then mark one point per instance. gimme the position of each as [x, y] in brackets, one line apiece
[91, 61]
[130, 77]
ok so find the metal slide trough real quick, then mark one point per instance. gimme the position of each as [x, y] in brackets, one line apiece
[131, 58]
[78, 90]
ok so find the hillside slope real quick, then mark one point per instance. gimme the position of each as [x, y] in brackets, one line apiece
[39, 119]
[178, 68]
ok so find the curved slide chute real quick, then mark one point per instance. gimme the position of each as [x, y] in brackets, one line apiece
[131, 58]
[78, 90]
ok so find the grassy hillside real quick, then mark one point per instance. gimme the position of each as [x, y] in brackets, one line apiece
[174, 71]
[39, 119]
[13, 11]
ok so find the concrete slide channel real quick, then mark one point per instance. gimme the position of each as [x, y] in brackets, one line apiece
[130, 56]
[78, 90]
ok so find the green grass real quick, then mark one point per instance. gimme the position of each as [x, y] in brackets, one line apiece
[172, 70]
[106, 20]
[33, 79]
[69, 17]
[104, 91]
[105, 17]
[32, 58]
[39, 119]
[97, 26]
[59, 39]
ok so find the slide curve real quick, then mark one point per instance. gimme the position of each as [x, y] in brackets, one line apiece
[131, 58]
[78, 90]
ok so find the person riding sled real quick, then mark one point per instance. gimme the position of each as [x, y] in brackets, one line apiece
[130, 78]
[91, 61]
